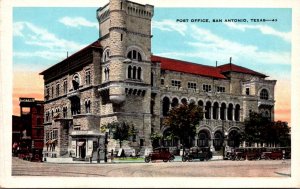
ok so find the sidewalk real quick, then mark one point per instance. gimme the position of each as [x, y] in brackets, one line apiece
[116, 160]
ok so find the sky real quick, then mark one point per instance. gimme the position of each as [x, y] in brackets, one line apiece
[43, 36]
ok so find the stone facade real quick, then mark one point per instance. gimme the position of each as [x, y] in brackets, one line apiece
[117, 78]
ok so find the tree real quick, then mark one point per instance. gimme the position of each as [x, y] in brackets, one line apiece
[183, 120]
[155, 137]
[260, 129]
[121, 131]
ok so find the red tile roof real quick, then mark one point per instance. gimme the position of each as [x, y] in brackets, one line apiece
[198, 69]
[187, 67]
[234, 68]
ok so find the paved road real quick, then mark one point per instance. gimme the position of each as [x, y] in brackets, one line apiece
[262, 168]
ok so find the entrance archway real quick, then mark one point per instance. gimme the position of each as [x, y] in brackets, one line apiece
[234, 138]
[203, 138]
[218, 140]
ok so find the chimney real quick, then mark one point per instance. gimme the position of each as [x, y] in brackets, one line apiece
[216, 63]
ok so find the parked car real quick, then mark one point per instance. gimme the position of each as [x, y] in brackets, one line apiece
[276, 154]
[161, 153]
[197, 153]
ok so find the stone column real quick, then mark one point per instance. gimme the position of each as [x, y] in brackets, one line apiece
[225, 112]
[211, 112]
[233, 114]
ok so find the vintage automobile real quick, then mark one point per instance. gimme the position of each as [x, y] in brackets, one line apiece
[247, 153]
[197, 153]
[272, 154]
[161, 153]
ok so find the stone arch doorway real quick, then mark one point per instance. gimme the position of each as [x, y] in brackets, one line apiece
[234, 138]
[218, 140]
[203, 138]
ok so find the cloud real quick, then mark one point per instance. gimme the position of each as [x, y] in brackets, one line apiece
[267, 30]
[37, 36]
[170, 25]
[77, 22]
[209, 46]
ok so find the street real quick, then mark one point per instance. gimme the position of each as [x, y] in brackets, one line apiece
[219, 168]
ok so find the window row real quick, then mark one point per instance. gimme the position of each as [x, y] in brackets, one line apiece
[75, 109]
[132, 54]
[134, 72]
[211, 111]
[193, 85]
[55, 89]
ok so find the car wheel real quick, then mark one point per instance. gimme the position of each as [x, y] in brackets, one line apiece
[171, 158]
[165, 160]
[184, 159]
[147, 159]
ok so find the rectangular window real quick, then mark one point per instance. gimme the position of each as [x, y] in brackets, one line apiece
[121, 37]
[176, 83]
[221, 89]
[76, 127]
[65, 111]
[65, 87]
[52, 92]
[57, 89]
[192, 85]
[206, 88]
[88, 77]
[162, 81]
[47, 93]
[247, 91]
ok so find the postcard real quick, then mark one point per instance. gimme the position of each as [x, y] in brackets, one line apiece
[140, 93]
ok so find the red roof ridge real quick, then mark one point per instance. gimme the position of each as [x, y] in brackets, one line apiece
[187, 67]
[236, 68]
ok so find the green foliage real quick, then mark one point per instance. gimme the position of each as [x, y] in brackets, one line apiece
[155, 136]
[261, 129]
[183, 120]
[120, 130]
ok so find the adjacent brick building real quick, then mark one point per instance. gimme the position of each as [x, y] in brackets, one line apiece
[116, 78]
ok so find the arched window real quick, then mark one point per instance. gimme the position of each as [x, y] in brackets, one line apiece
[216, 110]
[134, 55]
[166, 105]
[208, 110]
[129, 71]
[200, 103]
[192, 101]
[174, 102]
[264, 94]
[76, 82]
[223, 111]
[229, 112]
[184, 101]
[139, 73]
[106, 55]
[134, 73]
[106, 74]
[237, 112]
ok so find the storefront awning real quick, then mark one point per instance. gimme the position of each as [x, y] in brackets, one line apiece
[80, 143]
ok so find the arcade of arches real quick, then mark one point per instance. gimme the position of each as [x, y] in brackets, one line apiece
[216, 110]
[205, 137]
